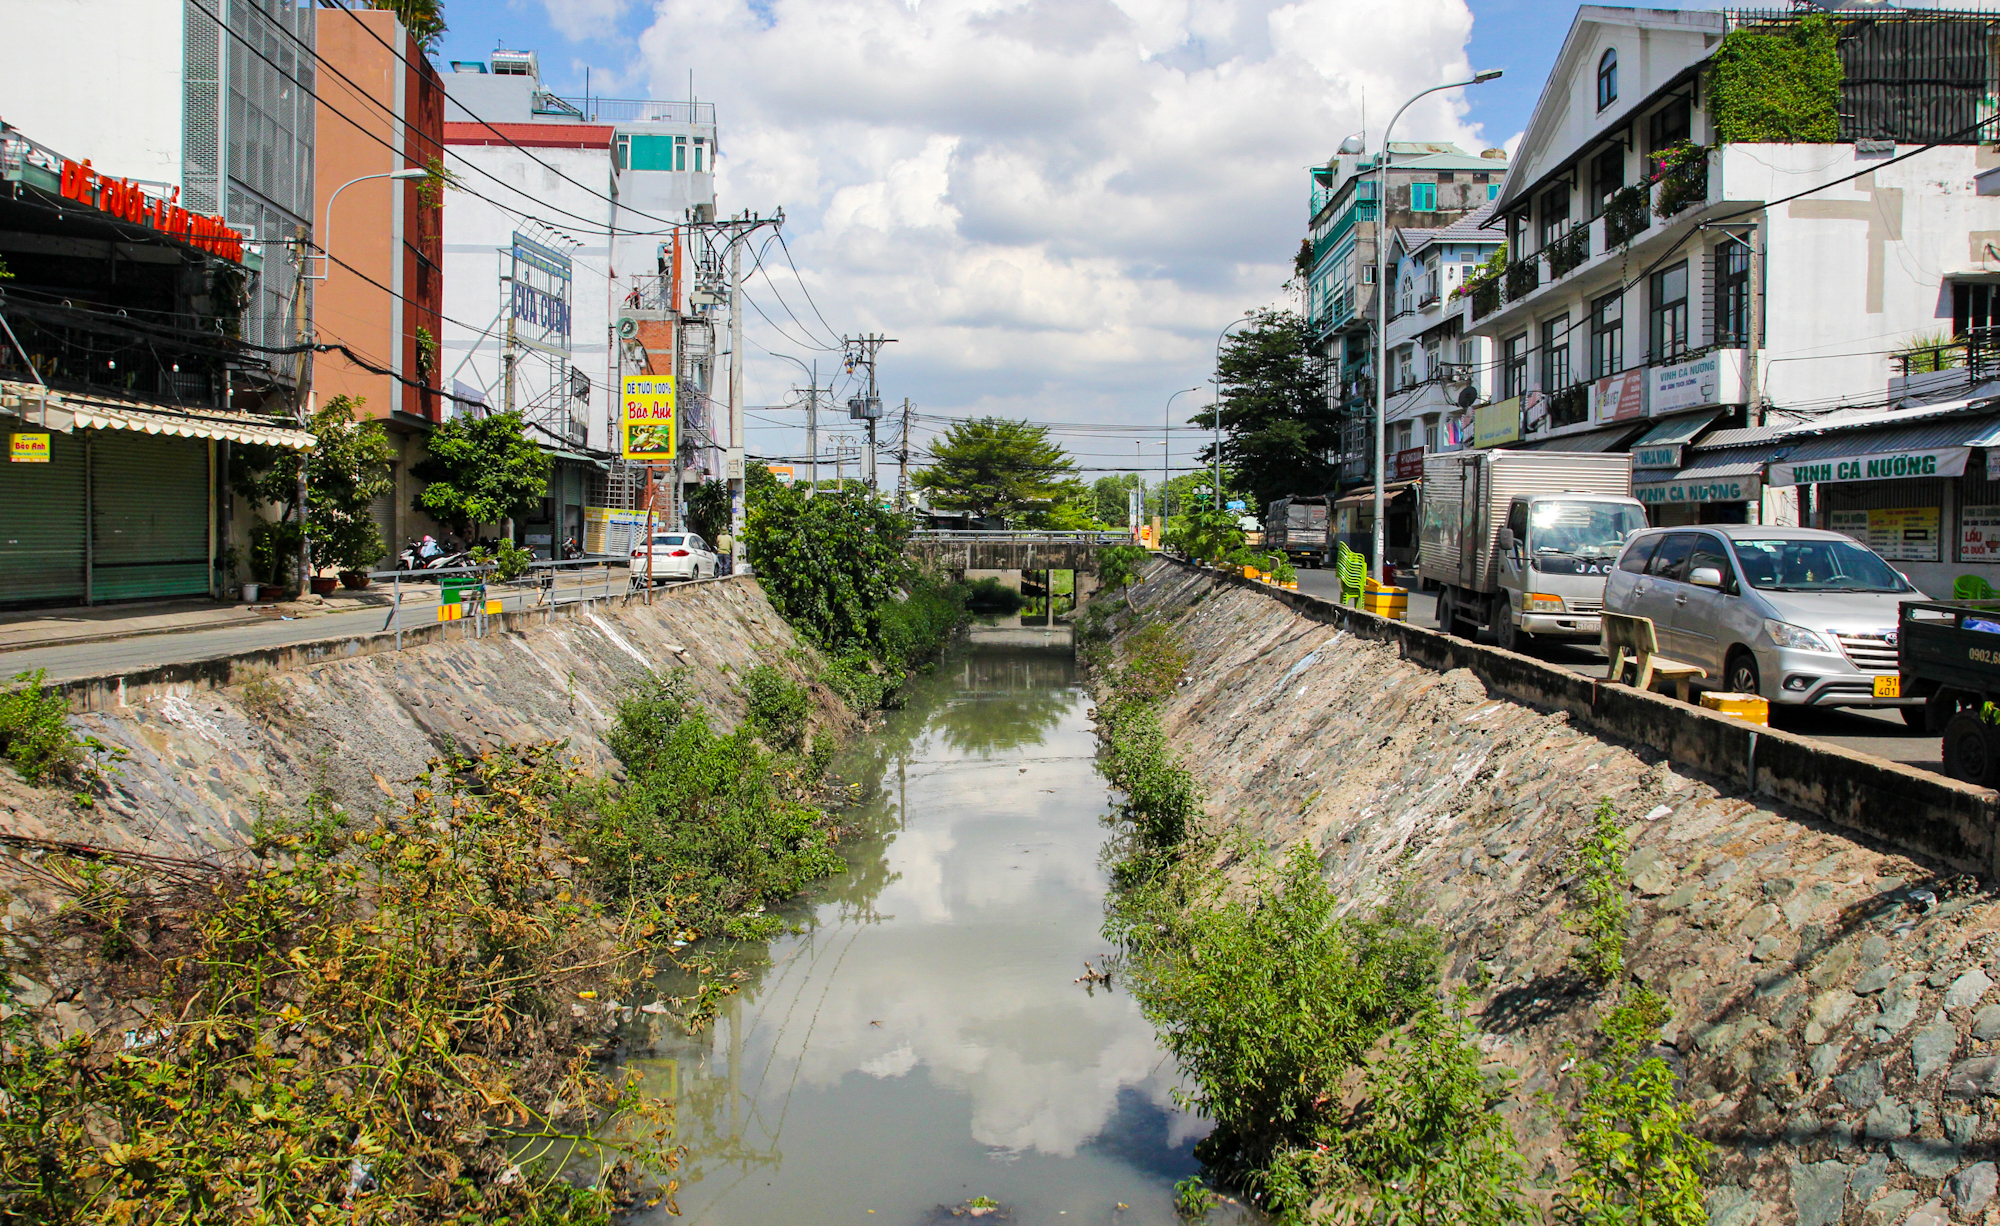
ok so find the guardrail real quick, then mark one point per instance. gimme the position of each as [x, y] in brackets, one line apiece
[1025, 536]
[544, 585]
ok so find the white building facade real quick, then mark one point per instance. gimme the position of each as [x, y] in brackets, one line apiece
[1670, 287]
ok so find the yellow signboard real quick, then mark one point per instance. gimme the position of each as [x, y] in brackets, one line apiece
[1494, 424]
[651, 425]
[28, 449]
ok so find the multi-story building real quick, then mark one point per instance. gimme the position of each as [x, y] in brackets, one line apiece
[1430, 185]
[582, 227]
[1431, 368]
[120, 354]
[1700, 241]
[381, 287]
[212, 98]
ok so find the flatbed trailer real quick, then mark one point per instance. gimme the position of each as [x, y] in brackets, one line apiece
[1948, 654]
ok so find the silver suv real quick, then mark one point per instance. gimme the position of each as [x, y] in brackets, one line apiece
[1802, 616]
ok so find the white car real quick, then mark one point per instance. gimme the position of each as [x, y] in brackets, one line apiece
[675, 555]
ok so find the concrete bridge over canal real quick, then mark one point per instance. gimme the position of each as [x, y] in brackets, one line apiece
[950, 549]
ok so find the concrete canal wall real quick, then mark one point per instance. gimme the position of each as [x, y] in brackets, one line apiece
[211, 743]
[1829, 960]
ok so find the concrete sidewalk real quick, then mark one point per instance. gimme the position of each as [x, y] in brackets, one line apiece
[39, 629]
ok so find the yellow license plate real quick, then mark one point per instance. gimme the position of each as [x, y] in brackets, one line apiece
[1890, 686]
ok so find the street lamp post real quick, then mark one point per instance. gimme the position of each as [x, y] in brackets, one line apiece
[1382, 317]
[1166, 457]
[1215, 410]
[326, 228]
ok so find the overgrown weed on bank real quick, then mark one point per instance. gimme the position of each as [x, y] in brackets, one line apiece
[405, 1018]
[372, 1020]
[1344, 1085]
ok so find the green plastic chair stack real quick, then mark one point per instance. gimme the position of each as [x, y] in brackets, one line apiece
[1971, 587]
[1353, 575]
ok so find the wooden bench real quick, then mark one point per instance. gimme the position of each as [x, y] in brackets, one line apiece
[1625, 635]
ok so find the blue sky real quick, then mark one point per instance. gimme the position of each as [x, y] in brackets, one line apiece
[1056, 205]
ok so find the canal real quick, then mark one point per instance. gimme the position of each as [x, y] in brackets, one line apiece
[922, 1041]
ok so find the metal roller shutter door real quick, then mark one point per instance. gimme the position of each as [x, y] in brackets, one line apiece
[42, 526]
[149, 516]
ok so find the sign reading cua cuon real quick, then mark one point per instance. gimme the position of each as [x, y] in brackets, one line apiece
[1884, 466]
[124, 199]
[650, 428]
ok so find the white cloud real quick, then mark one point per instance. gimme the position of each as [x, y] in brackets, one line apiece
[1054, 204]
[578, 20]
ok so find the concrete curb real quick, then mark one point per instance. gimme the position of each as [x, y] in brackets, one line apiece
[111, 690]
[1920, 812]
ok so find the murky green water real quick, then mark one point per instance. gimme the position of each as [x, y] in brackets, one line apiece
[925, 1041]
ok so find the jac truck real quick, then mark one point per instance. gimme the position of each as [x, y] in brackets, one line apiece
[1297, 525]
[1519, 542]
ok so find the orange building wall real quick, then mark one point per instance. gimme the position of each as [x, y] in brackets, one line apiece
[365, 129]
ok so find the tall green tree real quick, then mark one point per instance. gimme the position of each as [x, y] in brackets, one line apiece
[993, 466]
[831, 564]
[424, 19]
[481, 470]
[1278, 428]
[346, 471]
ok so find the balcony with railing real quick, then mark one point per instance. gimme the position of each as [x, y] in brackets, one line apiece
[1625, 216]
[1485, 297]
[1568, 252]
[1523, 276]
[1569, 406]
[1940, 368]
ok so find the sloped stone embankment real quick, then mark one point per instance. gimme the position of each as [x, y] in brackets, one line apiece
[1836, 1019]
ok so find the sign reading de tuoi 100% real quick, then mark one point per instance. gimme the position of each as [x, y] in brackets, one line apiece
[651, 425]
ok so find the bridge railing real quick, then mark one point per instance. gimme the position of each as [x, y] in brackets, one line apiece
[1023, 537]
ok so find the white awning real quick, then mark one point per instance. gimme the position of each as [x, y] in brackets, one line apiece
[68, 411]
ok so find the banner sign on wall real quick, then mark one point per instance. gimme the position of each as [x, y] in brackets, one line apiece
[1881, 466]
[1715, 378]
[1494, 424]
[32, 448]
[1979, 534]
[650, 431]
[539, 297]
[1900, 534]
[1719, 489]
[1409, 464]
[1618, 397]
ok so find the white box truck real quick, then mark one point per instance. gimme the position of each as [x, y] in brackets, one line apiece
[1519, 542]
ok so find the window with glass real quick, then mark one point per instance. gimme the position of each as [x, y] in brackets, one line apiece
[1669, 320]
[1791, 565]
[1670, 125]
[1607, 78]
[1974, 305]
[1406, 367]
[1555, 354]
[1607, 335]
[1423, 197]
[1607, 175]
[1433, 357]
[1430, 434]
[1732, 294]
[1555, 214]
[1514, 368]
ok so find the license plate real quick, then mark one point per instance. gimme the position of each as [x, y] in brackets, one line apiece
[1890, 686]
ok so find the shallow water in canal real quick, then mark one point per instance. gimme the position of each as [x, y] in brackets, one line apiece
[924, 1042]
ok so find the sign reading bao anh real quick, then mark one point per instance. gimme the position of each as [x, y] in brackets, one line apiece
[650, 427]
[28, 448]
[1880, 466]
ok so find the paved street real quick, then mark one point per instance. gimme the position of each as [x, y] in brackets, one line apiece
[68, 660]
[1881, 733]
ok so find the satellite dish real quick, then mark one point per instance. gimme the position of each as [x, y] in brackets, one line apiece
[1467, 396]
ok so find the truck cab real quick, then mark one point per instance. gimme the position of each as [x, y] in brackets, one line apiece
[1551, 557]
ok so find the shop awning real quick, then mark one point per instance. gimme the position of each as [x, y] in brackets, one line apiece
[1611, 439]
[577, 457]
[1665, 445]
[68, 411]
[1732, 475]
[1937, 448]
[1366, 497]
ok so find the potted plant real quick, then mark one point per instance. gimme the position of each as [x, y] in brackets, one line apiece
[351, 545]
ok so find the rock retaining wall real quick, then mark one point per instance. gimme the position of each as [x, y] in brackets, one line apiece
[1835, 1018]
[211, 743]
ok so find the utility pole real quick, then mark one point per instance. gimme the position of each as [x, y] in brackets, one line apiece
[903, 458]
[862, 351]
[812, 430]
[734, 464]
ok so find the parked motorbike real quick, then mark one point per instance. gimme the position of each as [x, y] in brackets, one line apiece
[570, 549]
